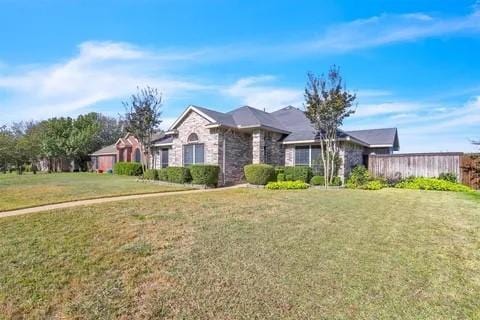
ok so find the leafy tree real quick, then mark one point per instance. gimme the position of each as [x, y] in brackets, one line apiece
[7, 143]
[327, 104]
[142, 118]
[55, 140]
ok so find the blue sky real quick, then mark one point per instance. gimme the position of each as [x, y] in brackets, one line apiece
[413, 64]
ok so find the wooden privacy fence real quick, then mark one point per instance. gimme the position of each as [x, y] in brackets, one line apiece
[465, 166]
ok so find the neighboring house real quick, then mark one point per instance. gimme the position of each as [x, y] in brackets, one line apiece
[126, 149]
[247, 135]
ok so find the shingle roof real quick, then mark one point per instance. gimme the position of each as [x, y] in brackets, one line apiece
[106, 151]
[250, 117]
[163, 140]
[379, 137]
[293, 122]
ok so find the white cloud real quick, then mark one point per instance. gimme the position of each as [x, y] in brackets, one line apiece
[101, 71]
[424, 126]
[390, 28]
[259, 92]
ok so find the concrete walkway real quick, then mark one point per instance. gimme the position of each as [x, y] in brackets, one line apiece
[78, 203]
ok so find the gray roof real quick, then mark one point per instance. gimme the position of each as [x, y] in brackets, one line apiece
[163, 140]
[377, 137]
[108, 150]
[295, 125]
[250, 117]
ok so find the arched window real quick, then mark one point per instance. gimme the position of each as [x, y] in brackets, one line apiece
[192, 137]
[138, 156]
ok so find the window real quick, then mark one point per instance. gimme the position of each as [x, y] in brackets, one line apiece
[302, 155]
[309, 156]
[192, 137]
[316, 162]
[193, 154]
[164, 158]
[138, 156]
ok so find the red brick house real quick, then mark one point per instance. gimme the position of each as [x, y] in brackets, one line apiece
[126, 149]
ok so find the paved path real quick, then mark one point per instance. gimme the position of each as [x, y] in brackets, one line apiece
[77, 203]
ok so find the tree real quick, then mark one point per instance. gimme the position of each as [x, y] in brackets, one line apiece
[327, 104]
[6, 145]
[142, 118]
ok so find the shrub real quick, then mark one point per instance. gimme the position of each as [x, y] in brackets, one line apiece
[151, 174]
[373, 185]
[204, 174]
[288, 177]
[281, 177]
[432, 184]
[128, 168]
[178, 175]
[317, 181]
[358, 177]
[99, 171]
[302, 173]
[163, 174]
[320, 181]
[259, 174]
[286, 185]
[337, 181]
[448, 176]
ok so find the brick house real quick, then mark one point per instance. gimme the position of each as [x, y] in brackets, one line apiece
[127, 148]
[243, 136]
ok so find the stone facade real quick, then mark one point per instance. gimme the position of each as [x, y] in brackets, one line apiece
[258, 143]
[352, 155]
[195, 123]
[237, 148]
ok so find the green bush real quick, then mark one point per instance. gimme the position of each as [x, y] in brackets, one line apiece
[448, 176]
[151, 174]
[163, 174]
[204, 174]
[286, 185]
[178, 175]
[302, 173]
[373, 185]
[320, 181]
[259, 174]
[288, 177]
[317, 181]
[281, 177]
[358, 177]
[128, 168]
[432, 184]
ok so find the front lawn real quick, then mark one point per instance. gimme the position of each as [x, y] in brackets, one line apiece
[243, 254]
[19, 191]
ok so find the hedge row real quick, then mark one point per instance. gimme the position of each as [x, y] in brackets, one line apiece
[259, 174]
[297, 173]
[128, 168]
[196, 174]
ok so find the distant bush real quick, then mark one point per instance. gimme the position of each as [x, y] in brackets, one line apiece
[163, 174]
[151, 174]
[448, 176]
[204, 174]
[358, 177]
[128, 168]
[286, 185]
[259, 174]
[432, 184]
[373, 185]
[320, 181]
[302, 173]
[317, 181]
[281, 177]
[178, 175]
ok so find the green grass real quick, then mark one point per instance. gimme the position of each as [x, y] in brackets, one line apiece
[243, 254]
[20, 191]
